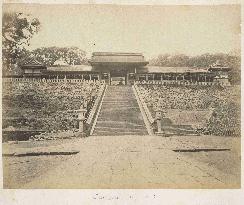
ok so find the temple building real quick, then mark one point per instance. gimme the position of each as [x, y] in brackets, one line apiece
[124, 69]
[32, 68]
[116, 67]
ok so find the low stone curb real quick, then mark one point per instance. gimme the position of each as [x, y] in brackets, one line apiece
[39, 153]
[45, 153]
[201, 150]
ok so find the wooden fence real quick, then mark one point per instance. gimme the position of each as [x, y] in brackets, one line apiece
[154, 82]
[173, 82]
[26, 80]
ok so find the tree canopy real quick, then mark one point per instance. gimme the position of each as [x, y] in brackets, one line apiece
[204, 60]
[232, 60]
[69, 55]
[17, 30]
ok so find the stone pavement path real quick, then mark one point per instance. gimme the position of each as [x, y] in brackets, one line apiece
[131, 162]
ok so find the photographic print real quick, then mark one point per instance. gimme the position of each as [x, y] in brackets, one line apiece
[121, 96]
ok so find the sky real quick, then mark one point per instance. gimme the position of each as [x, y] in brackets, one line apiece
[151, 30]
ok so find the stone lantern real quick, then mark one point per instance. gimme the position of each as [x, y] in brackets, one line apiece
[158, 119]
[81, 118]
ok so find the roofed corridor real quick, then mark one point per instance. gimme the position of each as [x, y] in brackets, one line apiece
[120, 113]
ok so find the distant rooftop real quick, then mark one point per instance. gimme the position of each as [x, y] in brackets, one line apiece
[160, 69]
[115, 54]
[69, 68]
[60, 62]
[218, 67]
[32, 62]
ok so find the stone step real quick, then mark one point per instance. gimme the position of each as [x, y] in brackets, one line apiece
[131, 103]
[111, 133]
[118, 124]
[119, 128]
[117, 98]
[107, 108]
[120, 113]
[118, 132]
[120, 102]
[107, 118]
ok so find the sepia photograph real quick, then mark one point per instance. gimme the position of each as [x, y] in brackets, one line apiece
[105, 96]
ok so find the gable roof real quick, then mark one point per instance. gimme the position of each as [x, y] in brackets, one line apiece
[31, 62]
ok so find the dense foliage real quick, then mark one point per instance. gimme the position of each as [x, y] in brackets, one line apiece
[225, 120]
[69, 55]
[45, 106]
[224, 102]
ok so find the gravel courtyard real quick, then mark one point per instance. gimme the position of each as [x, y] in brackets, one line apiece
[128, 162]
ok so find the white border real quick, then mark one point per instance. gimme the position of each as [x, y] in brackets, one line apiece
[130, 2]
[113, 196]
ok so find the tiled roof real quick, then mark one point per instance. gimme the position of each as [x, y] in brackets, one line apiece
[159, 69]
[115, 54]
[70, 68]
[110, 57]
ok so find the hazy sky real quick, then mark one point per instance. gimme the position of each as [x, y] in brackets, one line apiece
[151, 30]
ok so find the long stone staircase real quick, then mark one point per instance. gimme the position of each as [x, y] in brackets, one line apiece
[120, 113]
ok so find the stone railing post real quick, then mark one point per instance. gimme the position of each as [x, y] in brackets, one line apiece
[85, 104]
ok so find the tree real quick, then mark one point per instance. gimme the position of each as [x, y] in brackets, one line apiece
[164, 59]
[179, 60]
[17, 30]
[71, 55]
[232, 60]
[205, 60]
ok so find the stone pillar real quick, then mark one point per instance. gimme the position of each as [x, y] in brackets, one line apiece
[146, 77]
[109, 78]
[127, 78]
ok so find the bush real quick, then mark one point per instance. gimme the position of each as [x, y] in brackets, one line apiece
[46, 106]
[224, 101]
